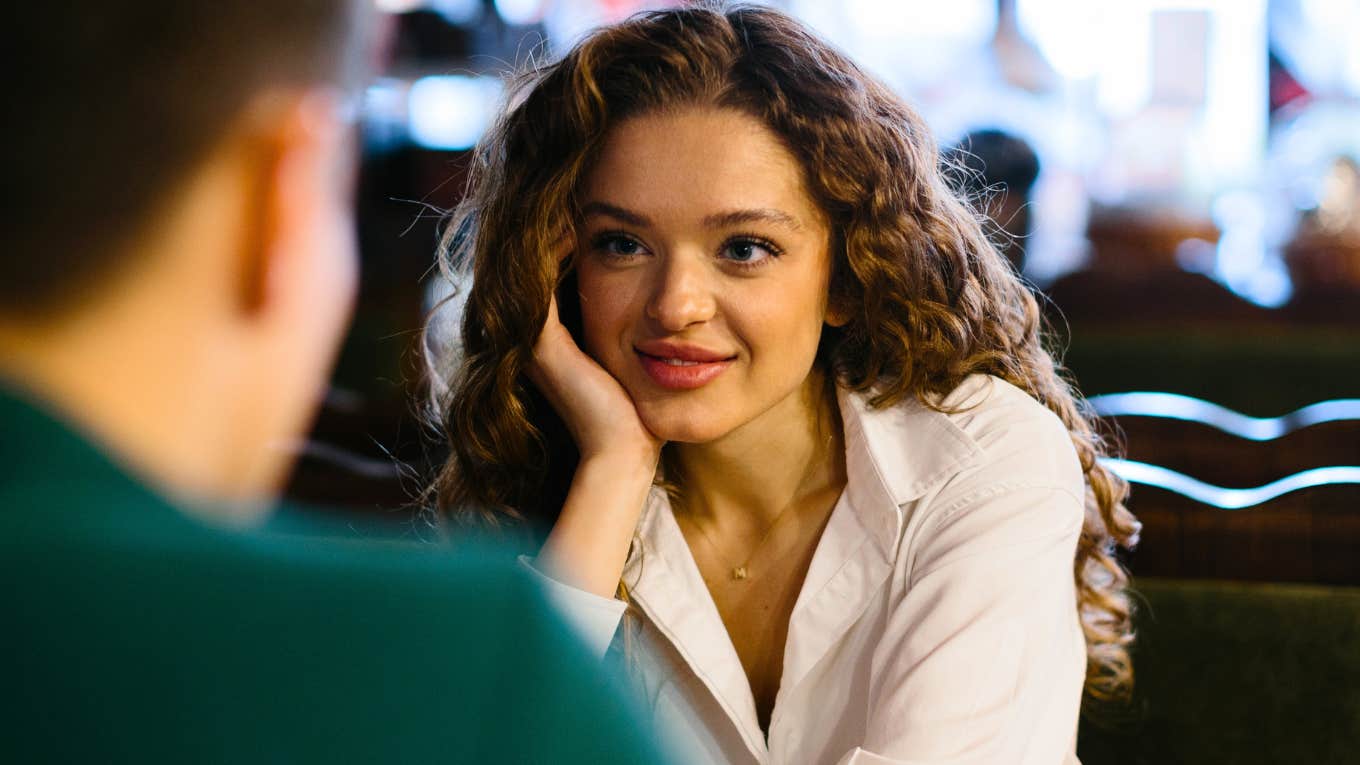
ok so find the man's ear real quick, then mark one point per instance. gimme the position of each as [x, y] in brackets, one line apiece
[293, 142]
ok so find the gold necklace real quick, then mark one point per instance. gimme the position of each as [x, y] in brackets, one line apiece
[742, 572]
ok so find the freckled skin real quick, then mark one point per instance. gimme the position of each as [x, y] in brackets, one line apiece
[683, 278]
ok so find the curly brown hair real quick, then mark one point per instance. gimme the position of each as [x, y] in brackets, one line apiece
[930, 299]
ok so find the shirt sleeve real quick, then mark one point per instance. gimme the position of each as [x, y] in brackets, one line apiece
[562, 705]
[982, 658]
[593, 618]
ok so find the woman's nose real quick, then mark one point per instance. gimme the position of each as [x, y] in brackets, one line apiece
[682, 294]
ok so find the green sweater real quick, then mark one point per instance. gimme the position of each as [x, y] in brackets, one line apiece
[134, 633]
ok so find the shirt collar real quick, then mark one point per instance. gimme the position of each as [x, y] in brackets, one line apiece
[893, 455]
[900, 453]
[667, 584]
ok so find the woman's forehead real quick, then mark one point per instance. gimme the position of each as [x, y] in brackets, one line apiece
[699, 164]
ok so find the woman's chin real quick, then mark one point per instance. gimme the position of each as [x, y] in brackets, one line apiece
[683, 428]
[686, 433]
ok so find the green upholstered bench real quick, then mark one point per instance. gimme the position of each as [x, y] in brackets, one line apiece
[1237, 673]
[1254, 371]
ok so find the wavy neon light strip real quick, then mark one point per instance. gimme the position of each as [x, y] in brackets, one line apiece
[1229, 499]
[1177, 407]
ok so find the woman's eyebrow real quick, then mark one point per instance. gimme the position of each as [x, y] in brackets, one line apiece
[616, 212]
[716, 220]
[761, 215]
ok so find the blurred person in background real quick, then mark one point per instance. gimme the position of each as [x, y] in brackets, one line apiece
[996, 171]
[178, 269]
[781, 407]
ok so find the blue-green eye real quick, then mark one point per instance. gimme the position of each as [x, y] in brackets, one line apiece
[749, 251]
[616, 245]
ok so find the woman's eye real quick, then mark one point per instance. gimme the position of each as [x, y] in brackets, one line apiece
[618, 246]
[748, 251]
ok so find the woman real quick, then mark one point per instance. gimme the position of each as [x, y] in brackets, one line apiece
[792, 405]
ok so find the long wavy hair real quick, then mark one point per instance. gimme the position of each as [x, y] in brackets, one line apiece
[931, 300]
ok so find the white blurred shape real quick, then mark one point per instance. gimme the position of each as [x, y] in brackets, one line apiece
[1247, 263]
[1316, 41]
[1117, 46]
[1073, 34]
[1174, 406]
[385, 99]
[398, 6]
[451, 112]
[520, 12]
[892, 18]
[908, 44]
[384, 112]
[1229, 499]
[458, 12]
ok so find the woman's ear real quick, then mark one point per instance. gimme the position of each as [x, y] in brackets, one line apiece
[838, 303]
[836, 315]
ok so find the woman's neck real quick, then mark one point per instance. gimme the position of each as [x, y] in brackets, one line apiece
[746, 479]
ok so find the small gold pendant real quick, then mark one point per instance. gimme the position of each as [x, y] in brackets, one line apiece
[739, 573]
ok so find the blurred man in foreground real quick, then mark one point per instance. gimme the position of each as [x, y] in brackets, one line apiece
[178, 269]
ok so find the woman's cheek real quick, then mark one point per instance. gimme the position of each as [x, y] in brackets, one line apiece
[601, 320]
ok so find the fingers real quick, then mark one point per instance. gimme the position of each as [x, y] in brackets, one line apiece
[549, 346]
[553, 339]
[561, 250]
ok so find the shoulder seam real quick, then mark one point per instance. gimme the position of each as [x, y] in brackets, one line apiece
[943, 514]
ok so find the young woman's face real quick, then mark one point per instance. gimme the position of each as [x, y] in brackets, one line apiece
[703, 269]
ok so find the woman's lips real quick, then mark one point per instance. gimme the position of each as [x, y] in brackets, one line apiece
[680, 374]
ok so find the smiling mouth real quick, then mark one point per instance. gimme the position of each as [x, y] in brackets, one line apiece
[675, 362]
[682, 374]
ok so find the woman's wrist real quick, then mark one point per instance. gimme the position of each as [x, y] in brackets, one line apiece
[638, 460]
[588, 546]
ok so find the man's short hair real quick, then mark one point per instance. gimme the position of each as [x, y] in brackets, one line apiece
[990, 159]
[118, 100]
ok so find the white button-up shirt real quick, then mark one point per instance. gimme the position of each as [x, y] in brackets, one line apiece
[938, 619]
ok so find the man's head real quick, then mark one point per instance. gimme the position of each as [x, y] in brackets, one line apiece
[179, 258]
[998, 170]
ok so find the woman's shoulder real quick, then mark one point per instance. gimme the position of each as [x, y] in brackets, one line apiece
[1001, 467]
[1001, 435]
[1025, 454]
[993, 412]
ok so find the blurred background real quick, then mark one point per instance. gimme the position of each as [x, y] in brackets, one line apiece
[1180, 180]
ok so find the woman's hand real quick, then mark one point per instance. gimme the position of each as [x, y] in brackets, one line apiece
[588, 545]
[595, 407]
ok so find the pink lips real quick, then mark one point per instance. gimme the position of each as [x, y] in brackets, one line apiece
[678, 366]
